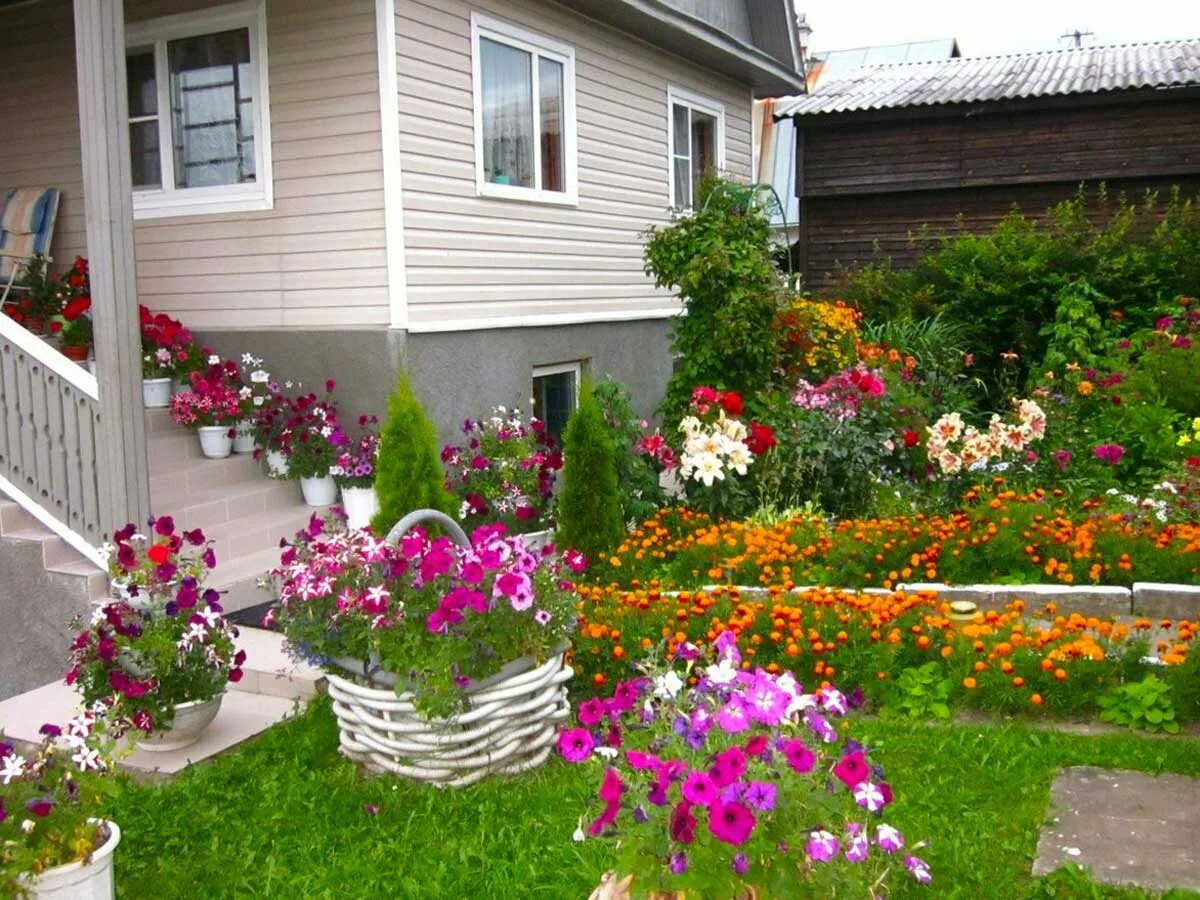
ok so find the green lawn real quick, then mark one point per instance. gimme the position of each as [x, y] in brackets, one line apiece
[284, 817]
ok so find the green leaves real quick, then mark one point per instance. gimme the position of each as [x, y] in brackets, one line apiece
[922, 693]
[589, 504]
[1144, 705]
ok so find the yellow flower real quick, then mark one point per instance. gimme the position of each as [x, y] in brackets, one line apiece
[1183, 441]
[1085, 388]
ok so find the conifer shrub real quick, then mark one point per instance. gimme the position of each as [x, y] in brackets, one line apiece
[409, 472]
[589, 504]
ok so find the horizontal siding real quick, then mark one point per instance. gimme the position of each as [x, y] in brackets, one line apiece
[318, 258]
[470, 258]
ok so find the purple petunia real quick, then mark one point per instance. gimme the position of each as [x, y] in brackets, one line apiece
[821, 846]
[760, 795]
[678, 863]
[918, 868]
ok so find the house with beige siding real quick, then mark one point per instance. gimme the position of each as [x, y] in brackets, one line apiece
[350, 187]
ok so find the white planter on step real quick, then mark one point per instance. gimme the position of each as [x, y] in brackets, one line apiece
[319, 491]
[277, 464]
[243, 440]
[361, 504]
[215, 442]
[156, 392]
[189, 723]
[78, 881]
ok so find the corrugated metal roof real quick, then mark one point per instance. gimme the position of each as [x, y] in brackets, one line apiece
[985, 78]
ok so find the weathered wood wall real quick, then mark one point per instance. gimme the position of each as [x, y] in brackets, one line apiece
[868, 183]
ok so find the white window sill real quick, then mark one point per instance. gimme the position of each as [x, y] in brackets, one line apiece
[525, 194]
[154, 205]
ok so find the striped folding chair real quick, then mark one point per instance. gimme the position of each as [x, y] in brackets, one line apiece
[27, 217]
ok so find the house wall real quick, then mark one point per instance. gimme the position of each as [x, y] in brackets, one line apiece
[477, 261]
[868, 186]
[317, 258]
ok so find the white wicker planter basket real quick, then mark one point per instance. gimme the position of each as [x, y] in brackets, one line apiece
[510, 727]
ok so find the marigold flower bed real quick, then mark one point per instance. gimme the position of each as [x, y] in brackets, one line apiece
[1019, 659]
[999, 537]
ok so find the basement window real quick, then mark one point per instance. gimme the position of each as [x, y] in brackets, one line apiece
[556, 394]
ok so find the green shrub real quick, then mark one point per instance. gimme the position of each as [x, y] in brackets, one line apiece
[409, 474]
[637, 476]
[1145, 704]
[719, 259]
[921, 693]
[589, 504]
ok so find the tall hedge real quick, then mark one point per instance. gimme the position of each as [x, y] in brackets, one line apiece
[589, 503]
[409, 474]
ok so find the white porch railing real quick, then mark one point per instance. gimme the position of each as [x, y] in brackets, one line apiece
[49, 415]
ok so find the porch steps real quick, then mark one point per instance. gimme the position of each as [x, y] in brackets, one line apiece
[273, 688]
[58, 557]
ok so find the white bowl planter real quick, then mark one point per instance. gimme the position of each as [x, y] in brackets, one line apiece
[243, 438]
[361, 504]
[277, 464]
[319, 491]
[156, 392]
[215, 442]
[189, 723]
[539, 540]
[78, 881]
[510, 725]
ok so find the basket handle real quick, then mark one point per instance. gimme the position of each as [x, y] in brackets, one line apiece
[429, 515]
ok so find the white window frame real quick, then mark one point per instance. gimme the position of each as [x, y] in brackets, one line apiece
[694, 102]
[575, 368]
[170, 200]
[536, 45]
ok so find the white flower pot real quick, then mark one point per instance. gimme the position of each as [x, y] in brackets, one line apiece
[243, 440]
[539, 540]
[190, 721]
[361, 504]
[277, 464]
[215, 442]
[78, 881]
[178, 387]
[319, 491]
[156, 392]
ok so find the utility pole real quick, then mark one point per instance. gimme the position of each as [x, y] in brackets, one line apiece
[1077, 36]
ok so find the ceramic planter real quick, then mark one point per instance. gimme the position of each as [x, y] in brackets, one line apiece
[243, 439]
[79, 881]
[511, 723]
[277, 464]
[156, 392]
[361, 504]
[215, 442]
[319, 491]
[539, 540]
[190, 721]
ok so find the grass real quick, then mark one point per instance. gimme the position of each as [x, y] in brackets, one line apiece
[284, 817]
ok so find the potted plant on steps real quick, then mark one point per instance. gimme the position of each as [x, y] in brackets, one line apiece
[504, 472]
[254, 393]
[354, 472]
[211, 408]
[54, 842]
[161, 656]
[165, 347]
[739, 784]
[445, 658]
[272, 411]
[313, 439]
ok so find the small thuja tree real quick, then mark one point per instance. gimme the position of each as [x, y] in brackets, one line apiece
[409, 472]
[589, 504]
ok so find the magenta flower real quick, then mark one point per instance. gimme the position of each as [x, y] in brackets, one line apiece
[683, 824]
[857, 848]
[799, 757]
[767, 703]
[39, 806]
[625, 696]
[888, 839]
[740, 864]
[3, 811]
[611, 787]
[728, 766]
[678, 863]
[730, 822]
[575, 744]
[591, 711]
[1109, 453]
[852, 769]
[869, 796]
[918, 868]
[699, 788]
[821, 846]
[640, 761]
[1061, 459]
[732, 716]
[371, 809]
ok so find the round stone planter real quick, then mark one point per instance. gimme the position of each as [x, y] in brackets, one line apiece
[78, 881]
[156, 392]
[277, 464]
[510, 724]
[215, 442]
[361, 504]
[190, 721]
[319, 491]
[243, 439]
[539, 540]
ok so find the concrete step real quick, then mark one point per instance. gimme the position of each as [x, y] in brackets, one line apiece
[242, 715]
[57, 555]
[222, 503]
[13, 517]
[269, 670]
[158, 421]
[248, 535]
[238, 578]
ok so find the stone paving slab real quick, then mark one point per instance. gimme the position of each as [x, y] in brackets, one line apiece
[1127, 827]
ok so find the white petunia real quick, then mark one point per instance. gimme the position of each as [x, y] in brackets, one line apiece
[667, 686]
[13, 767]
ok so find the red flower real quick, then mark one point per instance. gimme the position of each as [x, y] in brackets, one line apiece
[158, 554]
[911, 438]
[76, 308]
[761, 438]
[731, 402]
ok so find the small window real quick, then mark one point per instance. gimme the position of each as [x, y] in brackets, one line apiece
[524, 114]
[555, 395]
[198, 132]
[696, 137]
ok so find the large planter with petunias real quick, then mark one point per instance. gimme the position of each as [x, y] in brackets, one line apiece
[734, 783]
[445, 657]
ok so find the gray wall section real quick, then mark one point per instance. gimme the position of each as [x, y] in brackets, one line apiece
[457, 374]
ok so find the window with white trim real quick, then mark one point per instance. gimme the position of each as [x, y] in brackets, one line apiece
[696, 143]
[556, 394]
[199, 135]
[524, 96]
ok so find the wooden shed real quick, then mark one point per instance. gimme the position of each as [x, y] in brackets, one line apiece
[890, 148]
